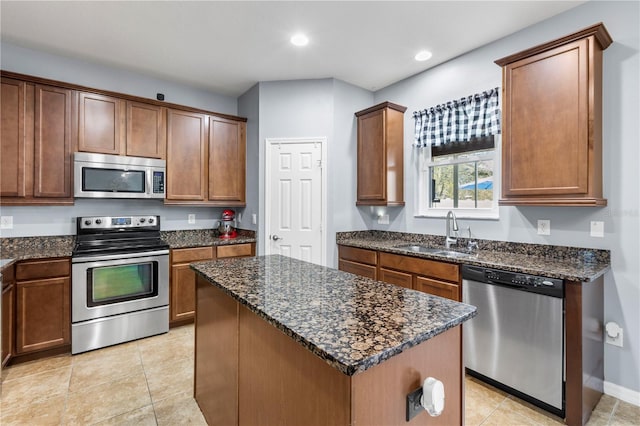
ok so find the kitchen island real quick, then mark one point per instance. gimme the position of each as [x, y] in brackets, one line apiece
[281, 341]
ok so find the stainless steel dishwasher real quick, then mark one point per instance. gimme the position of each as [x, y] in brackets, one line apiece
[516, 341]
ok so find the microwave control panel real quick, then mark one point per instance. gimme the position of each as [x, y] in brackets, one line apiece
[158, 182]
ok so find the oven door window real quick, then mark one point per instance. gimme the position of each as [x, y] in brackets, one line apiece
[113, 284]
[113, 180]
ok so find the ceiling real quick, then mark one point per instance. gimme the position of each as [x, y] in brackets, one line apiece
[227, 47]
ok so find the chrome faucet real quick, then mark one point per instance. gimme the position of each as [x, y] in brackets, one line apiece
[449, 240]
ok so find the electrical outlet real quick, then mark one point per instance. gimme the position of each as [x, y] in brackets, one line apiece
[192, 219]
[6, 222]
[544, 227]
[413, 404]
[597, 228]
[254, 218]
[239, 217]
[383, 219]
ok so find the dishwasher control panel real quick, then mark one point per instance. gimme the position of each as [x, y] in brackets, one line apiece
[533, 283]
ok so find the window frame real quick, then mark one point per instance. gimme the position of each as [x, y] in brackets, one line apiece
[423, 189]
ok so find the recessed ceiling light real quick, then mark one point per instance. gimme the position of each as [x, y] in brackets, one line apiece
[423, 55]
[299, 40]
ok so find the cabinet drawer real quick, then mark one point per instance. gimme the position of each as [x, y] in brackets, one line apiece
[235, 250]
[438, 288]
[359, 255]
[433, 268]
[191, 254]
[358, 269]
[395, 277]
[46, 268]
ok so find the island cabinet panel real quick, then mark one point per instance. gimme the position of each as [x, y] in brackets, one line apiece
[101, 124]
[282, 383]
[216, 355]
[182, 289]
[379, 394]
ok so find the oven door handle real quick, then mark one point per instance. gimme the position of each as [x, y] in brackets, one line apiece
[100, 258]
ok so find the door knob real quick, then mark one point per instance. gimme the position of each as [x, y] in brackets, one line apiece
[275, 237]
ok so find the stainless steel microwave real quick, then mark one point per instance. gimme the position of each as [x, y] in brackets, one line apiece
[117, 176]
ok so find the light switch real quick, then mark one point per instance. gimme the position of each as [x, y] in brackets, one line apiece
[597, 228]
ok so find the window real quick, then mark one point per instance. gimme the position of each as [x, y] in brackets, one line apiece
[465, 182]
[456, 150]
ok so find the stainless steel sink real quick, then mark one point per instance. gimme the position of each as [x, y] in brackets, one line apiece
[416, 248]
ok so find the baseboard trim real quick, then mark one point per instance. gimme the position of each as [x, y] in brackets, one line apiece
[622, 393]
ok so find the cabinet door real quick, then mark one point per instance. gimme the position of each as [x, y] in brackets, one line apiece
[438, 288]
[398, 278]
[43, 318]
[546, 140]
[101, 124]
[186, 156]
[13, 156]
[227, 161]
[372, 183]
[358, 269]
[8, 322]
[183, 293]
[52, 142]
[146, 130]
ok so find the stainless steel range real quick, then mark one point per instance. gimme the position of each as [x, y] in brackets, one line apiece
[120, 281]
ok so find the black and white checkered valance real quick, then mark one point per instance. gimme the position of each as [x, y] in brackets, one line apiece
[459, 121]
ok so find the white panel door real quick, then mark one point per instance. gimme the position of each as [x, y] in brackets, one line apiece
[294, 200]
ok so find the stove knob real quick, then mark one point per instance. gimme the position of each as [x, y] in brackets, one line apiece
[98, 221]
[87, 222]
[151, 220]
[142, 220]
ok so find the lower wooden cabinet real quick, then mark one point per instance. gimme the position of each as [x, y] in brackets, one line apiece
[8, 314]
[43, 302]
[182, 293]
[358, 261]
[430, 276]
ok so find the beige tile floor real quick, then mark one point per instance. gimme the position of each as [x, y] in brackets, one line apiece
[150, 382]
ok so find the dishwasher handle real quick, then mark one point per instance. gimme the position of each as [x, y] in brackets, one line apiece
[474, 273]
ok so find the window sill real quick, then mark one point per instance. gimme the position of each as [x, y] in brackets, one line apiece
[460, 214]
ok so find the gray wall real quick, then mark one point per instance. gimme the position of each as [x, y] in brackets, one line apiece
[248, 106]
[59, 220]
[476, 71]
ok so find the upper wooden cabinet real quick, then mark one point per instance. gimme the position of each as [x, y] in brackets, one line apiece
[206, 160]
[552, 122]
[380, 155]
[227, 161]
[146, 130]
[187, 141]
[111, 125]
[36, 143]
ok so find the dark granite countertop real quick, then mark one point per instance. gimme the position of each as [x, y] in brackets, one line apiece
[204, 238]
[22, 248]
[352, 322]
[568, 263]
